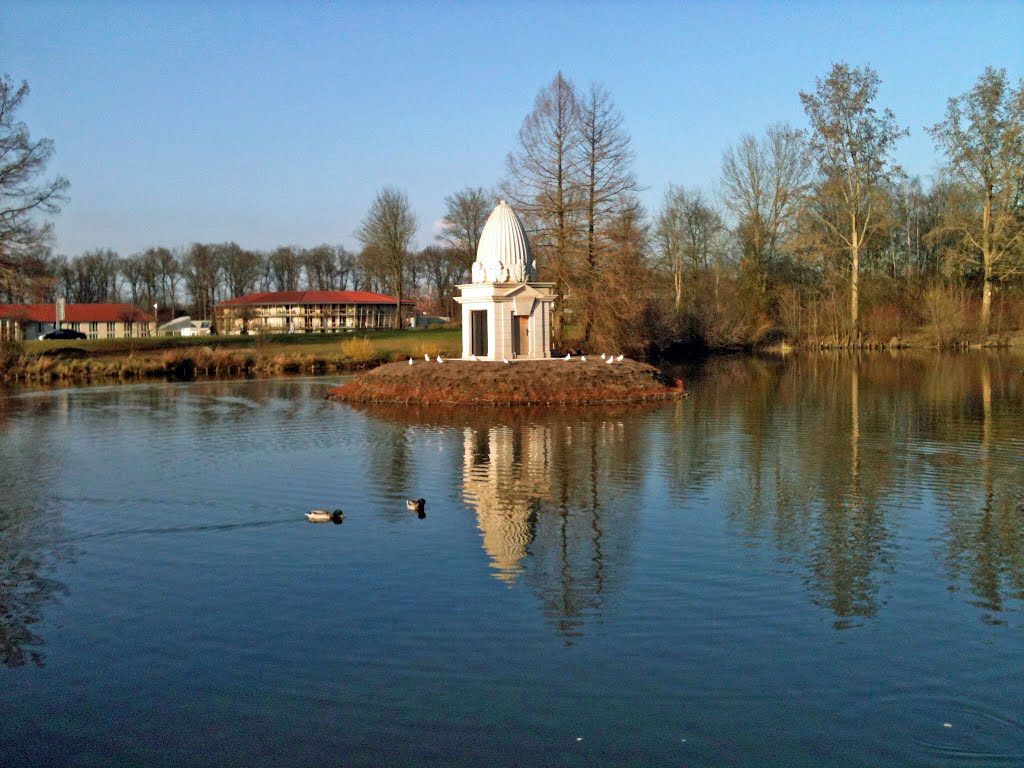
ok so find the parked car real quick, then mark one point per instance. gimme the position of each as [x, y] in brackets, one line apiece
[63, 334]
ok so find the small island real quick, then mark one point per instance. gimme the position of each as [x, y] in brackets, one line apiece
[518, 382]
[506, 350]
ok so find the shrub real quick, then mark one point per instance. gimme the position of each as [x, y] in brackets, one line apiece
[947, 315]
[359, 351]
[10, 354]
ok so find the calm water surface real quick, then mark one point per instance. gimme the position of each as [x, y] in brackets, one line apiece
[817, 562]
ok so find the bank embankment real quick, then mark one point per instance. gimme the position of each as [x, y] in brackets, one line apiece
[520, 382]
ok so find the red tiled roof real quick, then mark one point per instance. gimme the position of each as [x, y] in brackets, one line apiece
[315, 297]
[75, 313]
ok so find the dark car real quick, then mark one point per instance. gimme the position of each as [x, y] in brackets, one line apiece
[64, 334]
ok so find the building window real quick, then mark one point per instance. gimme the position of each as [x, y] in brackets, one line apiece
[111, 329]
[75, 326]
[93, 328]
[128, 329]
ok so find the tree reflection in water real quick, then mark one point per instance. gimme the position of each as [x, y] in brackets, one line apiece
[30, 534]
[554, 494]
[551, 502]
[833, 452]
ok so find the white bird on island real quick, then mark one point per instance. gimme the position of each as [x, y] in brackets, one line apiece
[410, 361]
[504, 360]
[440, 359]
[583, 358]
[473, 358]
[610, 360]
[619, 358]
[602, 355]
[568, 356]
[426, 357]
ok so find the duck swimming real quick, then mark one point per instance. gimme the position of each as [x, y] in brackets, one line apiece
[325, 516]
[417, 506]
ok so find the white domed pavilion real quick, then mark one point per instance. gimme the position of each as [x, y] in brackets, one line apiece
[506, 313]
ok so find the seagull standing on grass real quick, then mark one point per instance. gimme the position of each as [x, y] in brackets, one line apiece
[619, 358]
[504, 360]
[440, 359]
[426, 357]
[410, 361]
[583, 358]
[610, 360]
[568, 356]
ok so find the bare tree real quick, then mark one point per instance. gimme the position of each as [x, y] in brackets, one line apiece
[169, 276]
[23, 197]
[443, 269]
[202, 273]
[465, 214]
[983, 139]
[285, 265]
[386, 233]
[625, 320]
[763, 183]
[852, 145]
[241, 268]
[321, 268]
[606, 159]
[344, 266]
[544, 182]
[687, 233]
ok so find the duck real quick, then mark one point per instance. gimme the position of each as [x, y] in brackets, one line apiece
[325, 516]
[418, 506]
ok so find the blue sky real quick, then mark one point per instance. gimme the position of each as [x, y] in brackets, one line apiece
[276, 123]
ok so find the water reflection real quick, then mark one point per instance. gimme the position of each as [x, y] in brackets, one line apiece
[31, 540]
[839, 459]
[551, 505]
[554, 492]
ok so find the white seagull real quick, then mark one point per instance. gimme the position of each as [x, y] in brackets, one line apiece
[473, 358]
[602, 355]
[610, 360]
[619, 358]
[426, 357]
[568, 356]
[440, 359]
[410, 361]
[504, 360]
[583, 358]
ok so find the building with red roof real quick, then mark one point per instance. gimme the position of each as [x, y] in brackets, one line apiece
[97, 321]
[307, 312]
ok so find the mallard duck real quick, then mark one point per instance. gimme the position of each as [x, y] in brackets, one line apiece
[325, 516]
[415, 505]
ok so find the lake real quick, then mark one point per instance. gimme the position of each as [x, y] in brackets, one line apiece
[816, 561]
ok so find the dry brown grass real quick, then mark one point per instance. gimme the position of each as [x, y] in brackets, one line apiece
[522, 382]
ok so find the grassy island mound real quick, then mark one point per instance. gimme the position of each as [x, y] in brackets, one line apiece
[520, 382]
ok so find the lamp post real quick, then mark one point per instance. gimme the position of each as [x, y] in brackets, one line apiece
[156, 318]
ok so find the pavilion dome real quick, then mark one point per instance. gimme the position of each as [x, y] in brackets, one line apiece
[504, 254]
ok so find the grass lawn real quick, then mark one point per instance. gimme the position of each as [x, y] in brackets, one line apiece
[388, 344]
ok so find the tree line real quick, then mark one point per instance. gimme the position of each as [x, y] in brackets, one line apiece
[811, 233]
